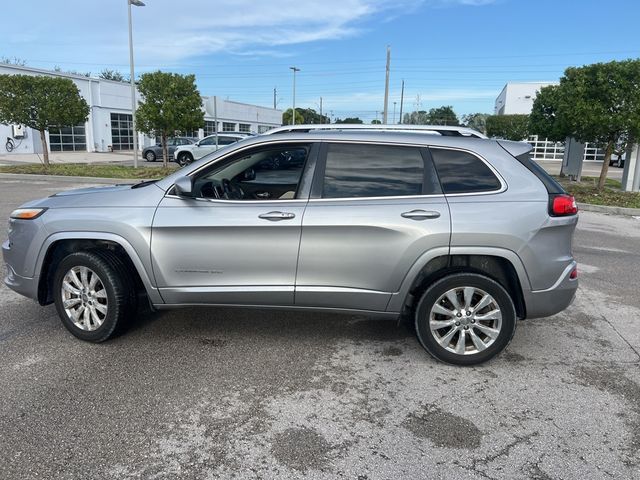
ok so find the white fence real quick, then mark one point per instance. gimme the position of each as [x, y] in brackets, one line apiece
[544, 149]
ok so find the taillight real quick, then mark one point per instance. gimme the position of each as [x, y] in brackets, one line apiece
[562, 205]
[574, 274]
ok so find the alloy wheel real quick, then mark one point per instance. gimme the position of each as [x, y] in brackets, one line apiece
[465, 320]
[84, 298]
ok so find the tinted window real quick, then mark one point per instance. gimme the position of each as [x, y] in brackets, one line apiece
[261, 174]
[372, 171]
[462, 172]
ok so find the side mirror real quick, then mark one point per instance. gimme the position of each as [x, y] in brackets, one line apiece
[184, 186]
[249, 174]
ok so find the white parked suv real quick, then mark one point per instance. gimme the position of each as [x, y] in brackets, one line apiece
[186, 154]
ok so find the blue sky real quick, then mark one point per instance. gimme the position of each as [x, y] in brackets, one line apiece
[449, 52]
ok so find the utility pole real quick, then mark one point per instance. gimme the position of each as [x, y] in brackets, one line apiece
[321, 117]
[293, 111]
[137, 3]
[275, 92]
[386, 87]
[401, 100]
[394, 112]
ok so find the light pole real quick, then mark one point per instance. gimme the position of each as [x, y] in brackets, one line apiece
[394, 113]
[293, 111]
[137, 3]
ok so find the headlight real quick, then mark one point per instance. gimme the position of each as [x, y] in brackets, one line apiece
[27, 213]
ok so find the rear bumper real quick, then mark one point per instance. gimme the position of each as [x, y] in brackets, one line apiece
[544, 303]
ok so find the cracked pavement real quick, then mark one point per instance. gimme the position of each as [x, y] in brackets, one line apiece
[223, 393]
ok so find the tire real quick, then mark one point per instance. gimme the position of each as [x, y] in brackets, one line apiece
[184, 159]
[492, 334]
[113, 304]
[150, 156]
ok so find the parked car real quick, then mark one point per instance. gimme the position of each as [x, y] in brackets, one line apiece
[154, 152]
[186, 154]
[461, 236]
[617, 162]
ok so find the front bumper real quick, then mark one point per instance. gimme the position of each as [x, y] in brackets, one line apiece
[544, 303]
[22, 285]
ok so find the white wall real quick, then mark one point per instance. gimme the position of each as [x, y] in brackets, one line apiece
[517, 98]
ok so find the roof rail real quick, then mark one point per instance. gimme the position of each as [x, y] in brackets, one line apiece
[444, 130]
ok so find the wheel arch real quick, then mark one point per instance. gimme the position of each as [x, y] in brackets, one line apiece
[60, 245]
[500, 265]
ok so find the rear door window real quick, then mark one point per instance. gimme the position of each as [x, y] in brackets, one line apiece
[360, 170]
[463, 172]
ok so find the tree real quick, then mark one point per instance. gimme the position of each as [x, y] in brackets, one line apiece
[376, 122]
[597, 103]
[419, 117]
[287, 116]
[13, 61]
[311, 116]
[171, 103]
[442, 116]
[40, 102]
[508, 127]
[350, 120]
[114, 75]
[544, 120]
[477, 121]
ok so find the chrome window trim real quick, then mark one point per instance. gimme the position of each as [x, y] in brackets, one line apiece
[238, 202]
[269, 141]
[503, 183]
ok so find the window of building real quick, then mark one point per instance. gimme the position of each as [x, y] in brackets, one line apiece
[121, 131]
[372, 171]
[68, 139]
[190, 134]
[462, 172]
[228, 127]
[264, 128]
[244, 128]
[209, 128]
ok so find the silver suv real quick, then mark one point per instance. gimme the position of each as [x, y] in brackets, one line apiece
[462, 235]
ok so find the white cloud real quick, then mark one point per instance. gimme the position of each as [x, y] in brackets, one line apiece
[170, 31]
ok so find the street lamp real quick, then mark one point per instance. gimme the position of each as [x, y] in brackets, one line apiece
[136, 3]
[293, 112]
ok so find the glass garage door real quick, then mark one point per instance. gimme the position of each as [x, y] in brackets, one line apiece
[68, 139]
[121, 131]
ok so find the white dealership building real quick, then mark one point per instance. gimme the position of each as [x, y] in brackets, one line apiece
[109, 125]
[516, 98]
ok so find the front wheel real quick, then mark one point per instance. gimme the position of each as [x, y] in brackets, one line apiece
[150, 156]
[465, 319]
[94, 294]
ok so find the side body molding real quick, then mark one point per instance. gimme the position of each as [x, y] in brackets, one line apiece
[142, 268]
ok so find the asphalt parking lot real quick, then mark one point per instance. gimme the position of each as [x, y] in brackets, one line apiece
[222, 393]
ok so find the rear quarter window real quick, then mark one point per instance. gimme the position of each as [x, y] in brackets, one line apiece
[463, 172]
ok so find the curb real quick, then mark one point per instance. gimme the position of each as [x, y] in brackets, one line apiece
[70, 179]
[589, 207]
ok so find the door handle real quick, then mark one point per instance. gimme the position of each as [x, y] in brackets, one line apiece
[420, 214]
[276, 216]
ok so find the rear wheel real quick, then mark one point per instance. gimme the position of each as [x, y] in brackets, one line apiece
[94, 294]
[184, 159]
[465, 319]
